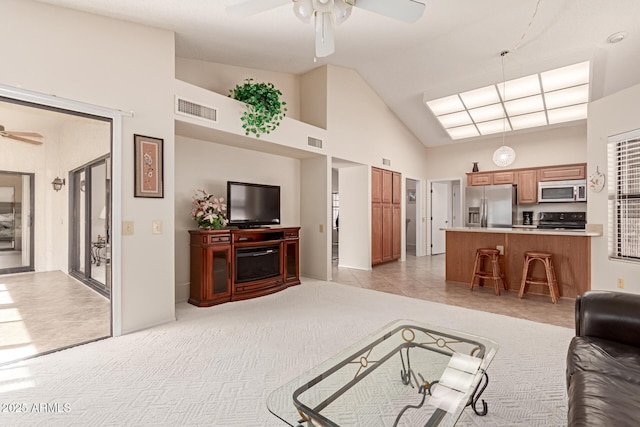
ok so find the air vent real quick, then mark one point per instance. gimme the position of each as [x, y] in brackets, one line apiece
[192, 109]
[386, 162]
[314, 142]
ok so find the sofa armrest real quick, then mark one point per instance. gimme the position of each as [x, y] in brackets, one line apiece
[613, 316]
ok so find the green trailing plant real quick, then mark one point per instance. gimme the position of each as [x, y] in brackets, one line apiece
[264, 108]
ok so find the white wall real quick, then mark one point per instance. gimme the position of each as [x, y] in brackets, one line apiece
[118, 65]
[313, 105]
[361, 127]
[315, 218]
[614, 114]
[207, 165]
[355, 214]
[221, 78]
[541, 148]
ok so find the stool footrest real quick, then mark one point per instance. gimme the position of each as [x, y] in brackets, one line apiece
[546, 259]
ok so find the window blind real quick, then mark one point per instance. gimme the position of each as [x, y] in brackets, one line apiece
[624, 166]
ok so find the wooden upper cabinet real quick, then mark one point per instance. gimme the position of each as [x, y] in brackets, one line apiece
[506, 177]
[397, 188]
[387, 186]
[376, 185]
[527, 186]
[479, 179]
[561, 173]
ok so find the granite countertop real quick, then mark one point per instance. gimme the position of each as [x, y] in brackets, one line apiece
[526, 230]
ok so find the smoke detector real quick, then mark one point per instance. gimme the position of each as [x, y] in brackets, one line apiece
[617, 37]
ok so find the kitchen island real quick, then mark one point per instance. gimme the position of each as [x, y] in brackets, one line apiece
[571, 255]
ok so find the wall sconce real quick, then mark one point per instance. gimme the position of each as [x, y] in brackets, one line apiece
[58, 183]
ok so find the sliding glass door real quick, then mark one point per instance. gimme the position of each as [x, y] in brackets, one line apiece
[16, 222]
[89, 252]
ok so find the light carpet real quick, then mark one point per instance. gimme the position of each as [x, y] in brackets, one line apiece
[216, 366]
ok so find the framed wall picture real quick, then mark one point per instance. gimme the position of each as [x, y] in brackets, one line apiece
[148, 159]
[411, 196]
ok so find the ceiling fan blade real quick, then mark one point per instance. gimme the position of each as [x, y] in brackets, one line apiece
[17, 138]
[32, 134]
[325, 36]
[253, 7]
[403, 10]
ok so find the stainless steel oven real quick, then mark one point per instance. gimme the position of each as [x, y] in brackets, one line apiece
[562, 191]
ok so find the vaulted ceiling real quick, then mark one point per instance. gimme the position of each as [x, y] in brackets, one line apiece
[453, 48]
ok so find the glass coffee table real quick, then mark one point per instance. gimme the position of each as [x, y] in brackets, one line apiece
[406, 374]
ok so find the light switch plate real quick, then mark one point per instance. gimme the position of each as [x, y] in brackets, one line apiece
[156, 226]
[127, 228]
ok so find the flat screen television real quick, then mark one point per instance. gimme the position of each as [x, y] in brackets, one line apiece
[252, 205]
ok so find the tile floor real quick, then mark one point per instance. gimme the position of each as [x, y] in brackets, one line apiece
[423, 278]
[43, 312]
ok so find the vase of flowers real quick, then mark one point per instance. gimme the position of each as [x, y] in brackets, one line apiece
[209, 211]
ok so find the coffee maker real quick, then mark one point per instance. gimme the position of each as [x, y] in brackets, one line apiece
[527, 217]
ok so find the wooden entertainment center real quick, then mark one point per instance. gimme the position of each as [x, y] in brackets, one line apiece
[236, 264]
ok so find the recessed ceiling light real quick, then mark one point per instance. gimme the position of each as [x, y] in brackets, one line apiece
[617, 37]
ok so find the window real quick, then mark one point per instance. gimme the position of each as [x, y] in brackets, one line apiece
[624, 170]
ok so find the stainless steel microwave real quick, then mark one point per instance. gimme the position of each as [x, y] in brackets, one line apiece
[562, 191]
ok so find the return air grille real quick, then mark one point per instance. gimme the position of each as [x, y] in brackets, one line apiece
[188, 108]
[314, 142]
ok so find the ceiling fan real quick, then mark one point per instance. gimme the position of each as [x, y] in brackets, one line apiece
[19, 136]
[329, 13]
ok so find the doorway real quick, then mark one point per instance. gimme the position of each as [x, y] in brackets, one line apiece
[89, 219]
[411, 217]
[445, 212]
[50, 309]
[16, 213]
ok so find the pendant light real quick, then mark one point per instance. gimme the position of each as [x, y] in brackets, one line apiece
[505, 155]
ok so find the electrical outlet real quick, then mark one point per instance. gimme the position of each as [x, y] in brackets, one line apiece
[127, 228]
[620, 283]
[156, 226]
[501, 249]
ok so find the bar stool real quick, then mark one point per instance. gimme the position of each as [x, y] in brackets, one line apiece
[492, 255]
[550, 281]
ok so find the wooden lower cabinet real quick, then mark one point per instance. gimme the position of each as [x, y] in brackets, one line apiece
[396, 232]
[376, 233]
[210, 267]
[571, 257]
[291, 263]
[230, 265]
[387, 232]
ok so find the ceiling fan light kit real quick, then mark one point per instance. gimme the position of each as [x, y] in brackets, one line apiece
[329, 13]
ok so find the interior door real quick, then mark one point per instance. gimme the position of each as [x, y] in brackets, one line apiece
[89, 238]
[440, 208]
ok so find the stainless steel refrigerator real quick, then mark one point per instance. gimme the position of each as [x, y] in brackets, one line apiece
[491, 205]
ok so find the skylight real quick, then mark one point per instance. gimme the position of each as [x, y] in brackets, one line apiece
[551, 97]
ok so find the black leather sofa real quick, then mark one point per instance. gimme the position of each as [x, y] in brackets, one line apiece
[603, 361]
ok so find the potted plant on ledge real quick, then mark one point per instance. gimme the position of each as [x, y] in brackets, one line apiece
[264, 108]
